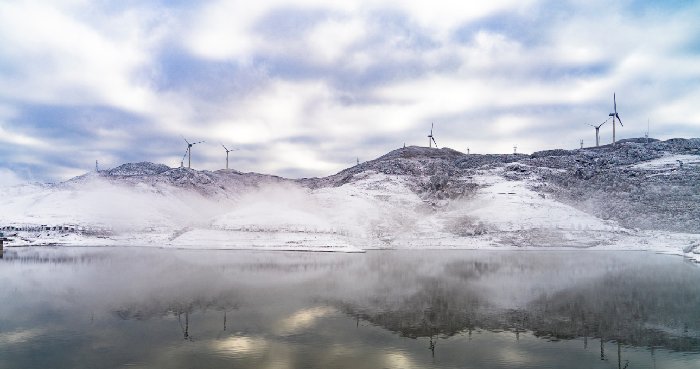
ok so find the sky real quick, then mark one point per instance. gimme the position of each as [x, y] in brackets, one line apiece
[305, 88]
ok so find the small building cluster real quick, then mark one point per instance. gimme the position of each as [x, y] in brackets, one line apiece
[70, 228]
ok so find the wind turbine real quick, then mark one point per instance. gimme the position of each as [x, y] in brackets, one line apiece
[189, 152]
[615, 115]
[597, 132]
[646, 134]
[227, 151]
[515, 149]
[431, 139]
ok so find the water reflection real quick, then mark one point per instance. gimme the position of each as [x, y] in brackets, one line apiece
[170, 308]
[302, 320]
[634, 302]
[241, 346]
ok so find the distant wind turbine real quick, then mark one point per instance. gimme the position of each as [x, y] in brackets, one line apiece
[431, 139]
[515, 149]
[189, 152]
[597, 132]
[615, 115]
[646, 134]
[227, 151]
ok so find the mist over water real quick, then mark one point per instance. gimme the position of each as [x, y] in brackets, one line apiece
[112, 307]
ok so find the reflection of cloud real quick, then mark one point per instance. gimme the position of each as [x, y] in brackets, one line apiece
[513, 356]
[20, 336]
[303, 319]
[242, 345]
[398, 359]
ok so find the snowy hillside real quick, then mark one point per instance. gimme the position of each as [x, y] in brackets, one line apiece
[636, 195]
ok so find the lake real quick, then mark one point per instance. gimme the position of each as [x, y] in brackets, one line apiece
[156, 308]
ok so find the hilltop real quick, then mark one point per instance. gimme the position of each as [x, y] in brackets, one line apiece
[638, 194]
[654, 185]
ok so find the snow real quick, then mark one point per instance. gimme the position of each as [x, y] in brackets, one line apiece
[511, 205]
[413, 198]
[668, 162]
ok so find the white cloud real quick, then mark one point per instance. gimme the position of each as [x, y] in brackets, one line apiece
[75, 53]
[7, 136]
[330, 39]
[359, 79]
[225, 29]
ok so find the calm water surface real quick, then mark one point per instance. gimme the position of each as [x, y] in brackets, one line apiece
[144, 308]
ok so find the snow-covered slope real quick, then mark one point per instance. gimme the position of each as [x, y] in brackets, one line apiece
[630, 196]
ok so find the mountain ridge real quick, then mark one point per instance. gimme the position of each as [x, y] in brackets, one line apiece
[410, 197]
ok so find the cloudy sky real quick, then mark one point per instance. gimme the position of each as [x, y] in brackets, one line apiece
[303, 88]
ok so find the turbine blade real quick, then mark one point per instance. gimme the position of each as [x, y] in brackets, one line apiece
[186, 140]
[434, 141]
[614, 103]
[618, 119]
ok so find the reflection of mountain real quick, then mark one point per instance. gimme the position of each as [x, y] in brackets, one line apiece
[628, 306]
[434, 310]
[155, 308]
[35, 256]
[638, 299]
[634, 308]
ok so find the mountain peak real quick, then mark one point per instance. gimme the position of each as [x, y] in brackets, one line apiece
[421, 152]
[138, 169]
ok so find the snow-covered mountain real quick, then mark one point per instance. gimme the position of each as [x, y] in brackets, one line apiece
[635, 195]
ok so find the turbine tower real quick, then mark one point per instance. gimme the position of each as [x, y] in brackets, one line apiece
[646, 134]
[431, 139]
[227, 151]
[615, 115]
[189, 152]
[597, 132]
